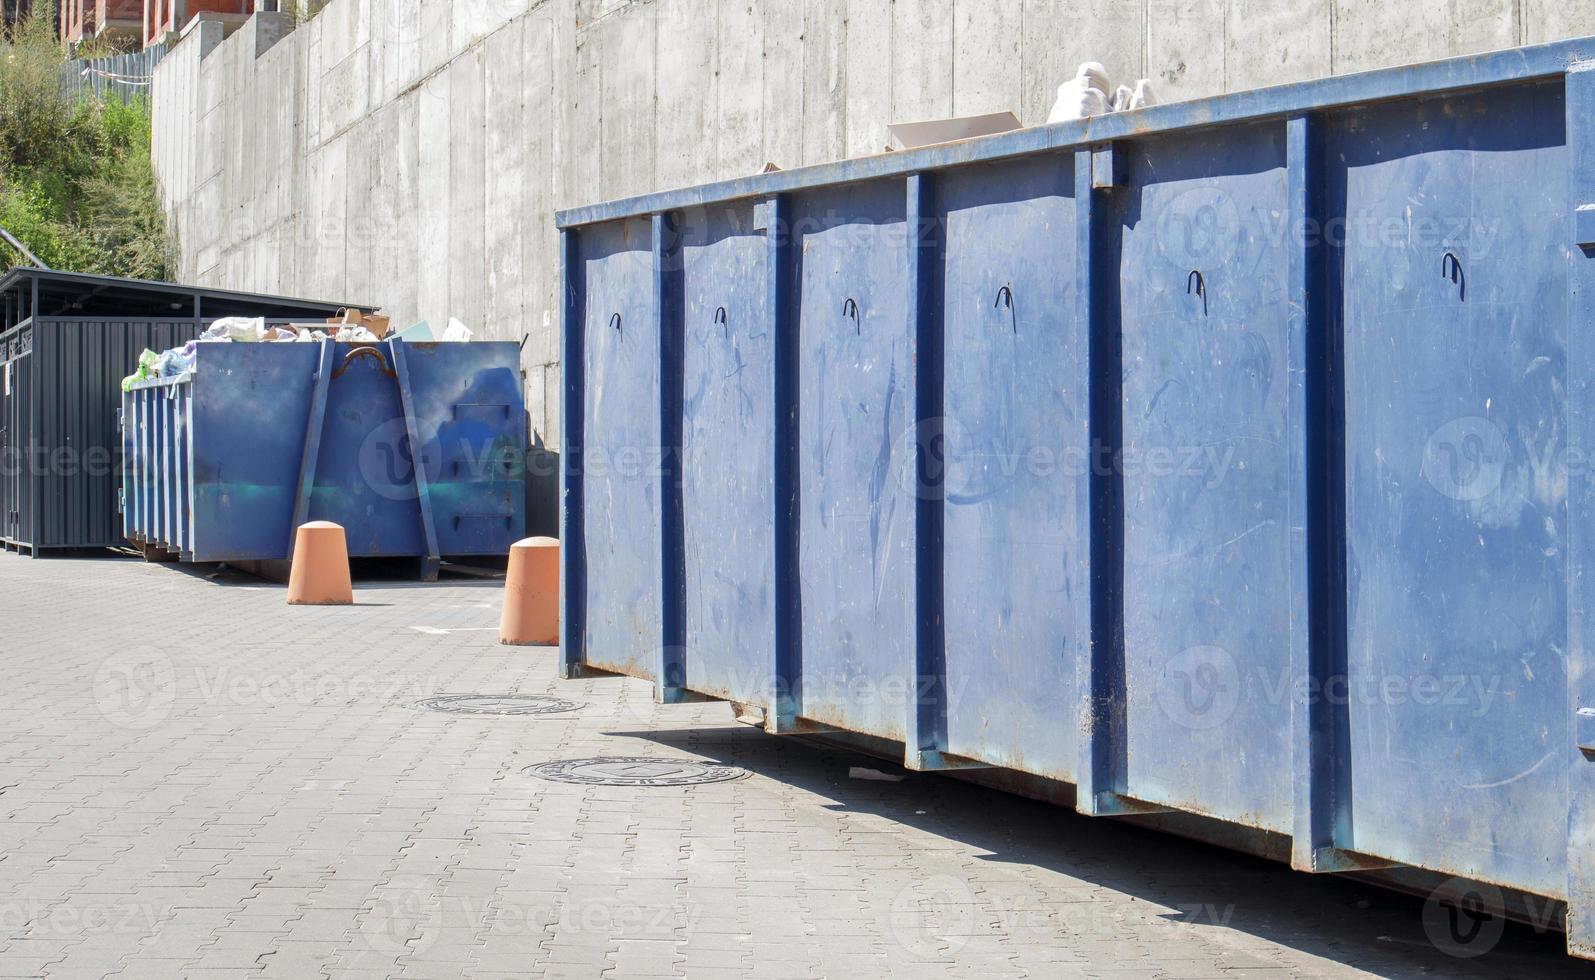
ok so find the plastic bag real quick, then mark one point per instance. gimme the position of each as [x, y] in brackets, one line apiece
[147, 366]
[354, 335]
[173, 363]
[1091, 93]
[239, 329]
[1086, 94]
[1134, 98]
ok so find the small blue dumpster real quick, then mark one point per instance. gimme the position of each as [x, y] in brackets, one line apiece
[1228, 460]
[416, 449]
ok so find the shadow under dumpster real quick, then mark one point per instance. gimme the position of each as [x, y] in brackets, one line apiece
[1201, 886]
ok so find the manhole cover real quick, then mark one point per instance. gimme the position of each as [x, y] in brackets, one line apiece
[635, 771]
[499, 704]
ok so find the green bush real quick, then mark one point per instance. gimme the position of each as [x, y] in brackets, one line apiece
[76, 183]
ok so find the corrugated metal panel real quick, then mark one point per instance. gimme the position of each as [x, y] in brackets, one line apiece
[79, 367]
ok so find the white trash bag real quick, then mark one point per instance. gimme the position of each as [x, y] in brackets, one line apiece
[457, 333]
[1134, 98]
[1086, 94]
[239, 329]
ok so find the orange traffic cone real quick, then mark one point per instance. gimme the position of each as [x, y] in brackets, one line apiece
[531, 594]
[320, 572]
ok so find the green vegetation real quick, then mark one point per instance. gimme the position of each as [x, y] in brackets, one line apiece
[76, 183]
[299, 12]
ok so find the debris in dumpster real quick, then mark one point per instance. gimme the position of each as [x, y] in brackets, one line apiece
[177, 361]
[147, 367]
[355, 334]
[416, 333]
[909, 136]
[1138, 97]
[353, 327]
[1091, 93]
[375, 323]
[238, 329]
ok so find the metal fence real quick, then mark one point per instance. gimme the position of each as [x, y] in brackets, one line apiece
[123, 76]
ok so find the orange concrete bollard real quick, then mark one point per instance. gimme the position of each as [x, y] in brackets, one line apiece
[320, 572]
[531, 594]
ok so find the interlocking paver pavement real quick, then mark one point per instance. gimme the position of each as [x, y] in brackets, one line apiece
[198, 781]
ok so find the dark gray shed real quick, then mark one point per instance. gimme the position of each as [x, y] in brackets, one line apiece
[66, 341]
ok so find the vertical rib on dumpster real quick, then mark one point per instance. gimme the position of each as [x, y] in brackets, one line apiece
[313, 428]
[412, 431]
[573, 577]
[788, 665]
[1320, 726]
[926, 715]
[1580, 102]
[1100, 672]
[670, 668]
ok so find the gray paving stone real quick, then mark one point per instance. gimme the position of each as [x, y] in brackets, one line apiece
[291, 814]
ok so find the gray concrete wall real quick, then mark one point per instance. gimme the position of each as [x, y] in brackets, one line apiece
[412, 152]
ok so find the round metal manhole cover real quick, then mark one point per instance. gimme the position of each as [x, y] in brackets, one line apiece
[635, 771]
[499, 704]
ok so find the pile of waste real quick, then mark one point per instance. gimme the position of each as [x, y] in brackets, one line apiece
[1087, 94]
[352, 328]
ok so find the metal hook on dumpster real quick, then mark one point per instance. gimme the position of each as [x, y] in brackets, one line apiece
[1451, 267]
[850, 308]
[364, 352]
[720, 318]
[1195, 280]
[614, 321]
[1005, 295]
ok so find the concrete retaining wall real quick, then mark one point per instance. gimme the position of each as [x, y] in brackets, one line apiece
[412, 152]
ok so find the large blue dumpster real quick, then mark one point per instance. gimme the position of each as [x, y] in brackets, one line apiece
[1224, 459]
[416, 449]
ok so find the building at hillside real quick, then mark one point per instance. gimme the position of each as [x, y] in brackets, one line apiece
[135, 23]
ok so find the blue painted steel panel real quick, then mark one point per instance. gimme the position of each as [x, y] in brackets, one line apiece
[1206, 472]
[468, 401]
[622, 457]
[245, 472]
[1456, 479]
[1580, 104]
[1308, 553]
[728, 454]
[1012, 448]
[855, 457]
[216, 455]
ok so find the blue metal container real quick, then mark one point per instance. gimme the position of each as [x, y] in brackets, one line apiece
[226, 461]
[1227, 458]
